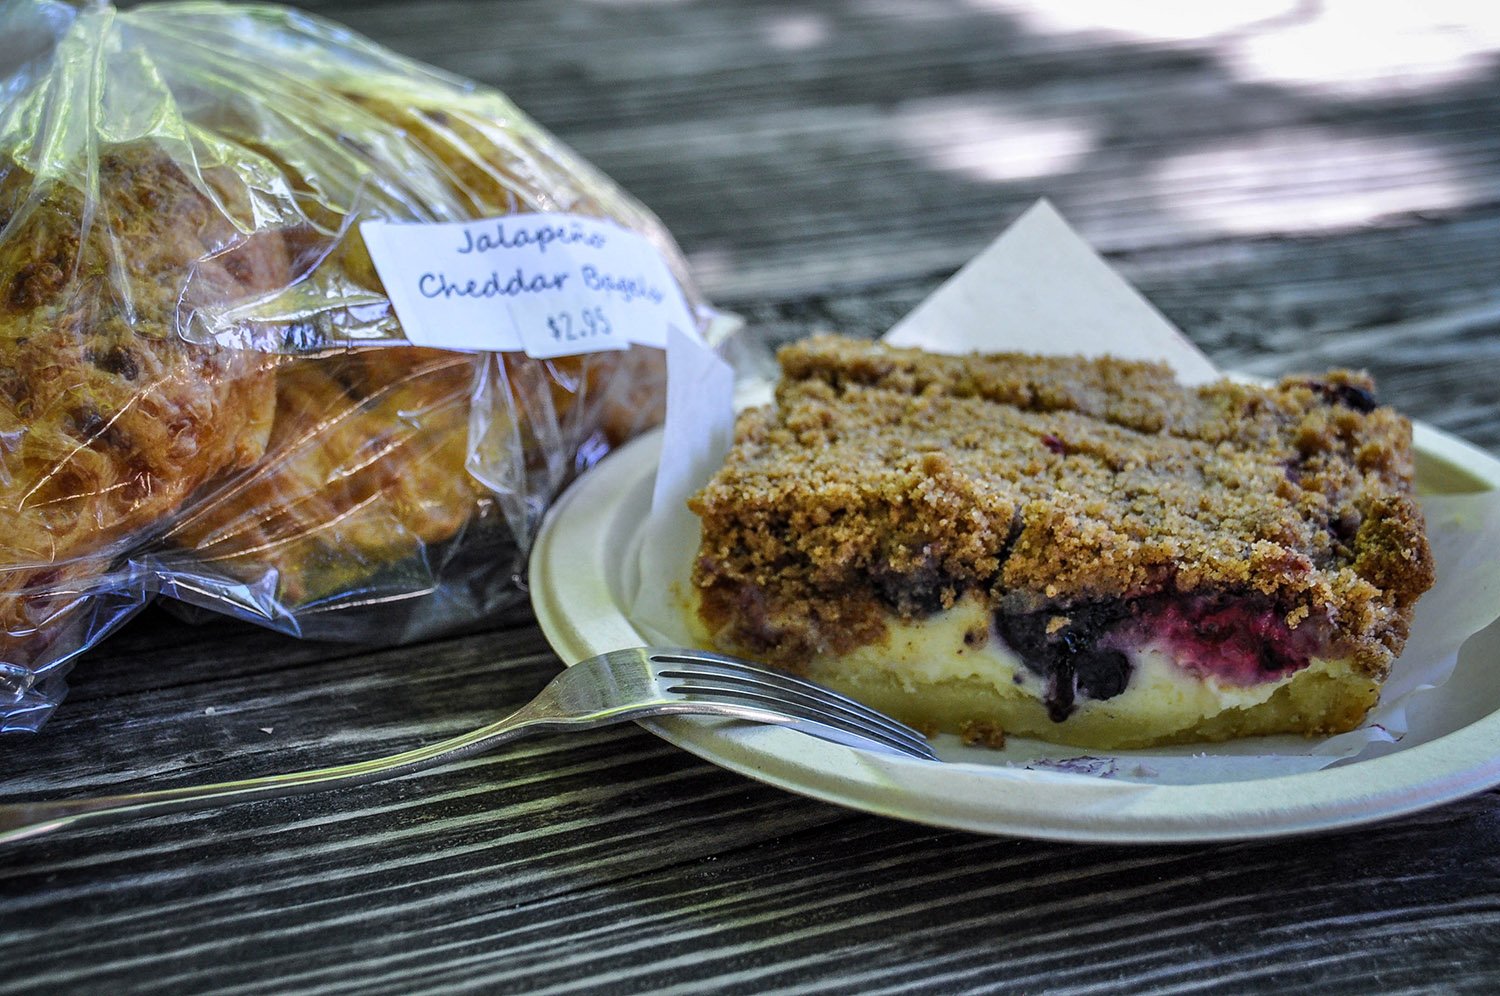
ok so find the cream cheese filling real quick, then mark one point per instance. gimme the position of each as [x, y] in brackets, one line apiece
[959, 644]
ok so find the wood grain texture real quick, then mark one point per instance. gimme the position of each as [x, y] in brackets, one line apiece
[805, 151]
[610, 862]
[824, 165]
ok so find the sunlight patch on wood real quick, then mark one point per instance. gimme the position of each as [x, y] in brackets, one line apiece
[1154, 20]
[1304, 179]
[1356, 47]
[981, 139]
[797, 31]
[1346, 47]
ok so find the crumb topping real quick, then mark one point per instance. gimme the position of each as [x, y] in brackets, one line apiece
[892, 480]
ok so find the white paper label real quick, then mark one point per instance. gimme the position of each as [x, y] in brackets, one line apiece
[549, 284]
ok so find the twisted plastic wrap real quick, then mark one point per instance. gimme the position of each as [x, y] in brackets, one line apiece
[204, 391]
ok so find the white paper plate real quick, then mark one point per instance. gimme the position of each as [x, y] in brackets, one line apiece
[579, 589]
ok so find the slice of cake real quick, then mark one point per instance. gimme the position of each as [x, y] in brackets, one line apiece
[1077, 550]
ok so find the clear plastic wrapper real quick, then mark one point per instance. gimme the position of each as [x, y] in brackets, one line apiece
[205, 393]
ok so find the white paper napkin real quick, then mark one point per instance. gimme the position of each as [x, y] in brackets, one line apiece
[1039, 288]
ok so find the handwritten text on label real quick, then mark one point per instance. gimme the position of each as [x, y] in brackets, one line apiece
[551, 284]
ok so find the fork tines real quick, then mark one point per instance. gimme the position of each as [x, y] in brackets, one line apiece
[706, 674]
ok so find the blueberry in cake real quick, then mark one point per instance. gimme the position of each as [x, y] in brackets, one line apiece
[1079, 550]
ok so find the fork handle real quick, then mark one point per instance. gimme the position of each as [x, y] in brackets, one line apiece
[568, 702]
[28, 819]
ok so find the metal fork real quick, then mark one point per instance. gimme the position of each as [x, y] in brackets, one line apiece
[610, 688]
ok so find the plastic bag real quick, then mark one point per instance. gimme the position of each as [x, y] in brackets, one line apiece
[204, 391]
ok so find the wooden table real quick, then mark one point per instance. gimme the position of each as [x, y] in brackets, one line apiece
[1293, 188]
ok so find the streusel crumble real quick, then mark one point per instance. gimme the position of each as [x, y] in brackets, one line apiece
[1078, 550]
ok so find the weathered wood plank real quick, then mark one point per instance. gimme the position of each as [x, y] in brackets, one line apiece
[903, 906]
[797, 151]
[825, 166]
[830, 151]
[1415, 305]
[544, 817]
[902, 165]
